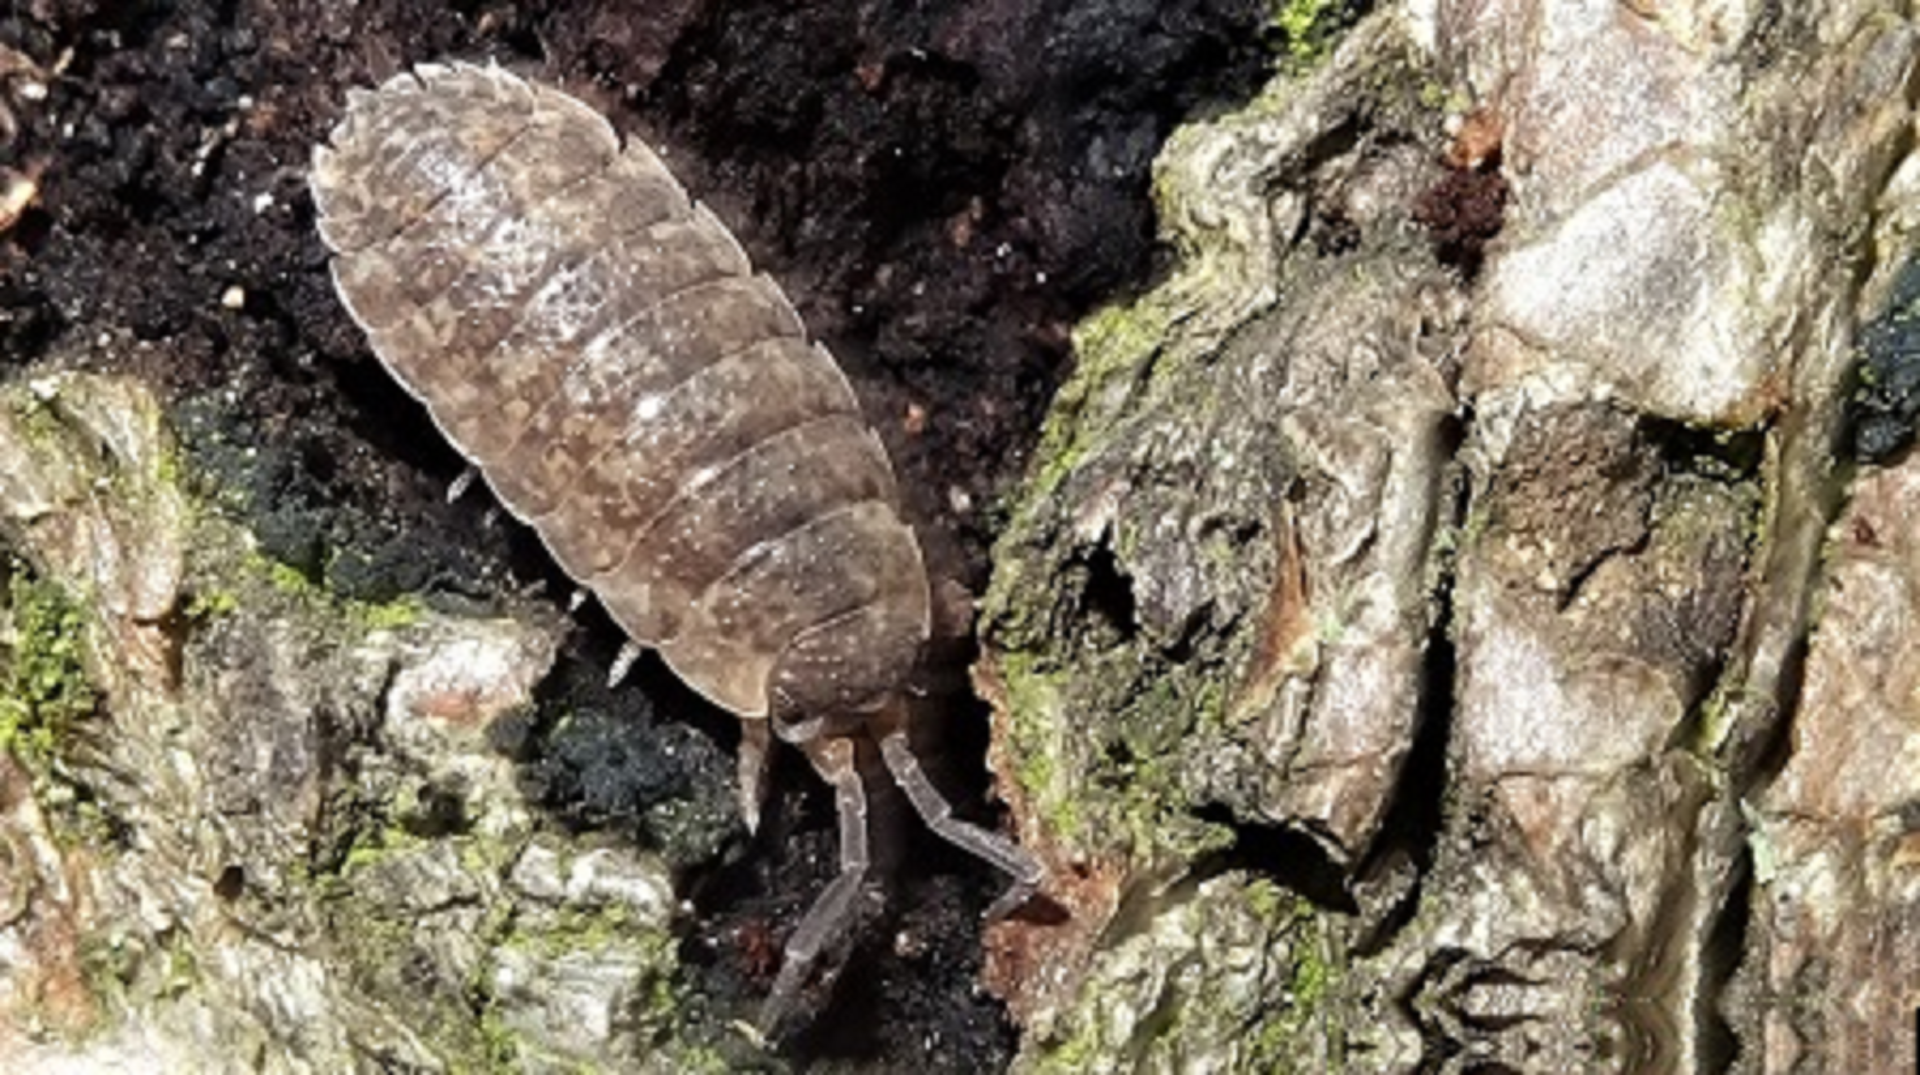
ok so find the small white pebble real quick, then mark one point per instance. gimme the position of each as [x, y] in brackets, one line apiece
[234, 298]
[262, 202]
[31, 91]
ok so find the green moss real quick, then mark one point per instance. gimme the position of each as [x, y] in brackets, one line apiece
[44, 689]
[284, 577]
[1730, 702]
[168, 470]
[1304, 1025]
[1277, 1013]
[577, 929]
[1437, 96]
[404, 611]
[126, 971]
[1113, 345]
[378, 948]
[484, 857]
[181, 974]
[211, 605]
[1308, 28]
[499, 1046]
[1312, 978]
[1038, 773]
[109, 964]
[1125, 796]
[287, 580]
[557, 935]
[1079, 1053]
[1158, 731]
[1267, 900]
[1120, 335]
[1033, 703]
[373, 845]
[1276, 1046]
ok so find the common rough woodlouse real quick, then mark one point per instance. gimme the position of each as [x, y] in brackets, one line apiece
[597, 344]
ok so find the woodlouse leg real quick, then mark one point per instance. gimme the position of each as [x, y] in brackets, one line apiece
[458, 487]
[756, 738]
[630, 652]
[833, 910]
[938, 814]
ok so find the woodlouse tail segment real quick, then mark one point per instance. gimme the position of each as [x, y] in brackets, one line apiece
[934, 809]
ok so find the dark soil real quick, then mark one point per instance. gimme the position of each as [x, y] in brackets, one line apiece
[1885, 405]
[942, 188]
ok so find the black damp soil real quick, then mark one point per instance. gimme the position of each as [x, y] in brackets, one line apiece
[1885, 404]
[944, 189]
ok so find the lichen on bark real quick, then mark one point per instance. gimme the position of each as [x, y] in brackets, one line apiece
[1213, 602]
[1546, 520]
[280, 786]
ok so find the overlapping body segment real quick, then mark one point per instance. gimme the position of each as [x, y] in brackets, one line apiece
[599, 346]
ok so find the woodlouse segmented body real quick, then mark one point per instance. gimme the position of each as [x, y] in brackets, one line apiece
[597, 344]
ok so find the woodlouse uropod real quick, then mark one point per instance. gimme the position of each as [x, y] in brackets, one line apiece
[597, 344]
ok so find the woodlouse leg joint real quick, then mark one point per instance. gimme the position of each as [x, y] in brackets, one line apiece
[831, 913]
[934, 809]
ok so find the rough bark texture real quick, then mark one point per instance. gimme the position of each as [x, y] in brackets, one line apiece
[1510, 665]
[939, 203]
[1460, 618]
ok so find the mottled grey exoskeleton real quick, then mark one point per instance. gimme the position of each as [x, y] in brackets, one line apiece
[598, 346]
